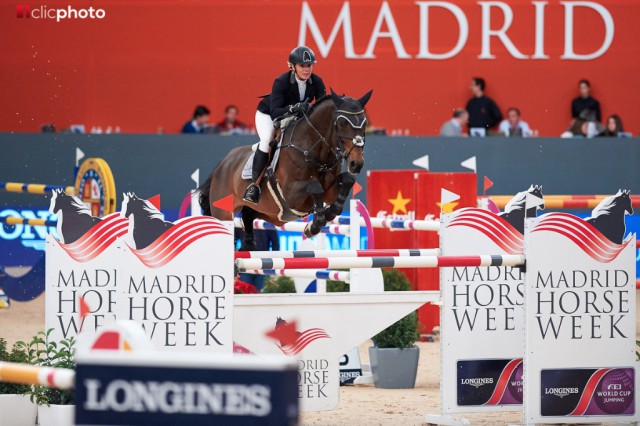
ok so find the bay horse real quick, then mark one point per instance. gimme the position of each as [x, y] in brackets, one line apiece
[308, 176]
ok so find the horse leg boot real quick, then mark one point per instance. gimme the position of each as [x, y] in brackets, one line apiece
[317, 193]
[345, 182]
[252, 194]
[249, 240]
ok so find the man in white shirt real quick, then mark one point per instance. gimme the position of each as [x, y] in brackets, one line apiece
[513, 126]
[454, 126]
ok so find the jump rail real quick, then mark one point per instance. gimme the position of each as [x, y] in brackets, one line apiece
[380, 262]
[34, 188]
[294, 227]
[336, 253]
[17, 220]
[565, 201]
[384, 223]
[60, 378]
[304, 273]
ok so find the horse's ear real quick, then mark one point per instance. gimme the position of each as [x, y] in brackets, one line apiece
[335, 98]
[363, 100]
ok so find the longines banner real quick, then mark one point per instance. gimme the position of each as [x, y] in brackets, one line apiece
[581, 317]
[134, 265]
[185, 389]
[482, 317]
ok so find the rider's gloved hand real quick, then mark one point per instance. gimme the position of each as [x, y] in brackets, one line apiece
[300, 107]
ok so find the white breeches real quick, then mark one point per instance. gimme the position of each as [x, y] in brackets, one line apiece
[264, 127]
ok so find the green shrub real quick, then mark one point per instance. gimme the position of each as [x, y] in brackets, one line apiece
[19, 355]
[279, 285]
[404, 333]
[337, 287]
[44, 352]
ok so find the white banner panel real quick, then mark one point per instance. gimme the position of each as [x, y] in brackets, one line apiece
[482, 317]
[580, 319]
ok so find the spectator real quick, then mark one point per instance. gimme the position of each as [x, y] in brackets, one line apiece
[513, 126]
[584, 106]
[230, 124]
[454, 126]
[614, 128]
[483, 111]
[199, 122]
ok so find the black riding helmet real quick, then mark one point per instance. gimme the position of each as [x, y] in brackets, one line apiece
[302, 55]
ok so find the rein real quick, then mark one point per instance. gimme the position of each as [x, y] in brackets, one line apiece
[339, 153]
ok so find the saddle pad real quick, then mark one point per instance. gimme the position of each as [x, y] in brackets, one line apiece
[248, 166]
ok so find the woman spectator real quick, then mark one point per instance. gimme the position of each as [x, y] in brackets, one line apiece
[614, 128]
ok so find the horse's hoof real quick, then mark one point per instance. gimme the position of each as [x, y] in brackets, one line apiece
[248, 245]
[308, 231]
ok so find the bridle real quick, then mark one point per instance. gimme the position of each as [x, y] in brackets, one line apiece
[339, 154]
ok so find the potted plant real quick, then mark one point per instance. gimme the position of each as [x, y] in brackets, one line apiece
[394, 356]
[15, 407]
[55, 406]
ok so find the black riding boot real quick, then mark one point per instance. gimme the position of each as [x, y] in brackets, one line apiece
[252, 194]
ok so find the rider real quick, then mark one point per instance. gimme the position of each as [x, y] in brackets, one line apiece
[291, 93]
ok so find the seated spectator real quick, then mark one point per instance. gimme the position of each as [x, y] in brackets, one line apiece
[483, 111]
[614, 128]
[584, 106]
[199, 122]
[581, 129]
[454, 126]
[230, 124]
[513, 126]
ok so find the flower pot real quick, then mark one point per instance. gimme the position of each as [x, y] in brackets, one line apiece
[17, 410]
[56, 415]
[394, 368]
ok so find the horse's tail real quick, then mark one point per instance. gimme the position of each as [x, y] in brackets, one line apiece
[203, 197]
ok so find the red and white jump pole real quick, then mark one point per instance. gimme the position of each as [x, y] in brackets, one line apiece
[60, 378]
[304, 273]
[336, 253]
[381, 262]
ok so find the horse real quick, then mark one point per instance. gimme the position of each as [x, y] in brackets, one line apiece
[146, 223]
[308, 176]
[514, 212]
[64, 206]
[608, 216]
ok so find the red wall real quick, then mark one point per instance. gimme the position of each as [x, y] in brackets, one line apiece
[148, 63]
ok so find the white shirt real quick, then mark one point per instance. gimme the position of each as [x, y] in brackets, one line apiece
[505, 128]
[302, 87]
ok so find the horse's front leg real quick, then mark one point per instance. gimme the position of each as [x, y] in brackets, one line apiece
[315, 190]
[249, 240]
[344, 181]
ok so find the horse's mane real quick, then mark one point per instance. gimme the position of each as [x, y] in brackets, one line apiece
[318, 103]
[79, 206]
[604, 207]
[151, 210]
[517, 202]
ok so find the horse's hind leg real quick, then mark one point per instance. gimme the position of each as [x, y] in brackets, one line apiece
[249, 240]
[317, 193]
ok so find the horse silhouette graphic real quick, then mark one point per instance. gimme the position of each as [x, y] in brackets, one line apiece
[146, 223]
[74, 217]
[608, 216]
[295, 345]
[515, 213]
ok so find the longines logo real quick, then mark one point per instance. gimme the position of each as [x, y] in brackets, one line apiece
[477, 382]
[58, 14]
[172, 397]
[560, 392]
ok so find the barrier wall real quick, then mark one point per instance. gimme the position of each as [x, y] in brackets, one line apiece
[163, 164]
